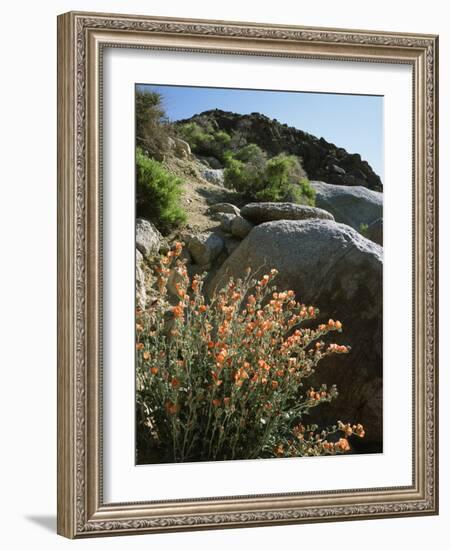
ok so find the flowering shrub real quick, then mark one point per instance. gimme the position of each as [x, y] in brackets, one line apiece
[226, 379]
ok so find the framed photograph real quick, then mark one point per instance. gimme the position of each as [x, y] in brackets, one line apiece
[247, 287]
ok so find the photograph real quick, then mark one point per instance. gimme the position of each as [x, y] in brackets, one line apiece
[259, 274]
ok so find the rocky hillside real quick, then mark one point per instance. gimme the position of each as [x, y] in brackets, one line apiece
[322, 160]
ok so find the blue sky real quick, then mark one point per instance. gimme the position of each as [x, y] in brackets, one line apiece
[354, 122]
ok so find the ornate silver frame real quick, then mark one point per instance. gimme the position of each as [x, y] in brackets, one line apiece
[81, 38]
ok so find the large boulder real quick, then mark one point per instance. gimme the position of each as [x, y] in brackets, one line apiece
[211, 162]
[333, 267]
[148, 238]
[240, 227]
[354, 206]
[205, 247]
[225, 221]
[214, 176]
[260, 212]
[223, 207]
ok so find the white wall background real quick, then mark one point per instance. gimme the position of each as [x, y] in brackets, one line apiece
[28, 273]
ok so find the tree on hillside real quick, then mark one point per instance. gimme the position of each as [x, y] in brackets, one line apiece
[152, 126]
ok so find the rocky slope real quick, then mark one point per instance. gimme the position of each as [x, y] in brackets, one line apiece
[319, 251]
[322, 160]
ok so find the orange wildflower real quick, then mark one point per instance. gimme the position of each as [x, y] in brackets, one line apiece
[359, 430]
[180, 291]
[239, 376]
[263, 365]
[298, 431]
[279, 450]
[139, 346]
[223, 329]
[336, 348]
[178, 310]
[249, 328]
[342, 444]
[171, 408]
[154, 370]
[220, 357]
[146, 355]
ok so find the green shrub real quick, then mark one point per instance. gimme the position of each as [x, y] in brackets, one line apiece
[158, 193]
[279, 179]
[283, 174]
[307, 192]
[364, 229]
[221, 142]
[227, 379]
[204, 140]
[251, 153]
[152, 127]
[194, 134]
[245, 169]
[242, 177]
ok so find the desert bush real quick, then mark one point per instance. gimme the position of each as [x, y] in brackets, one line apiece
[158, 193]
[279, 179]
[204, 140]
[253, 154]
[227, 379]
[284, 181]
[364, 229]
[307, 193]
[245, 169]
[153, 129]
[243, 177]
[195, 135]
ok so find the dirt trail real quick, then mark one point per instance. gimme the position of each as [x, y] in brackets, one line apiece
[199, 194]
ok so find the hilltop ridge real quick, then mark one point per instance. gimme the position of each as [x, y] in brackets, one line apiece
[321, 159]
